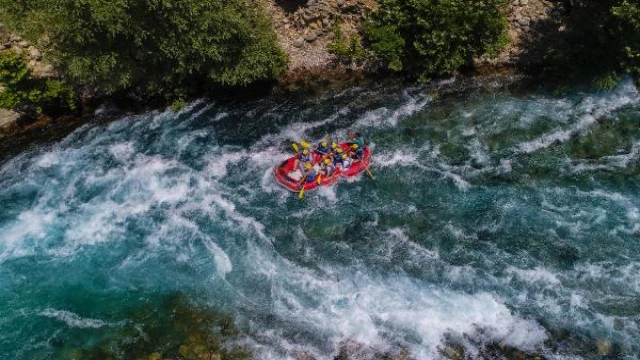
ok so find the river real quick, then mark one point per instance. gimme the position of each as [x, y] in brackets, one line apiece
[497, 216]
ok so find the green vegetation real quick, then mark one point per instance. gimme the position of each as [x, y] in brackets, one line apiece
[347, 50]
[21, 90]
[151, 48]
[600, 43]
[428, 38]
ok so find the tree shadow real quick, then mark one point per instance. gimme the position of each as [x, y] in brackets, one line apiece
[290, 6]
[573, 45]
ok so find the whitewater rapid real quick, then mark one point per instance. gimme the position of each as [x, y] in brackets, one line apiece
[492, 219]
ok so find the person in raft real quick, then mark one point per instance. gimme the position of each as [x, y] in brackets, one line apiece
[356, 138]
[342, 162]
[327, 167]
[355, 151]
[323, 148]
[310, 173]
[303, 157]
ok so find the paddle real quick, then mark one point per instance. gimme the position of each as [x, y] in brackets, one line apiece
[366, 168]
[302, 183]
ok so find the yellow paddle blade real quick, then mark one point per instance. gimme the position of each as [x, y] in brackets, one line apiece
[295, 147]
[305, 144]
[319, 179]
[301, 194]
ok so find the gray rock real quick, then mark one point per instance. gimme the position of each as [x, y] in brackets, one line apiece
[23, 44]
[2, 47]
[311, 37]
[326, 22]
[618, 324]
[15, 38]
[35, 54]
[298, 42]
[524, 2]
[340, 3]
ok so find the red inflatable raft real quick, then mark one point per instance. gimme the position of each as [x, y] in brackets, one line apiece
[289, 177]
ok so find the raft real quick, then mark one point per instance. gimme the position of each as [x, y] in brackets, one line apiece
[289, 178]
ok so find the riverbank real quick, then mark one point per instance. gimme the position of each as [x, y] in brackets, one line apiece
[305, 31]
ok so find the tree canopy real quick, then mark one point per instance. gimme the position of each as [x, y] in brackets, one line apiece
[152, 47]
[427, 38]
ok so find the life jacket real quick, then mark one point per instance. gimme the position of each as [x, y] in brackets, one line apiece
[304, 158]
[360, 141]
[323, 150]
[311, 176]
[329, 169]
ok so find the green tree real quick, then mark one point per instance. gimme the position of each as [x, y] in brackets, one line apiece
[21, 90]
[152, 47]
[427, 38]
[626, 16]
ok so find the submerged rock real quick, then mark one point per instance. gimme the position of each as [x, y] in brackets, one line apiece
[604, 347]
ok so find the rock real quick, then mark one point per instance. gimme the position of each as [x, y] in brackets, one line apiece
[35, 54]
[154, 356]
[326, 22]
[298, 42]
[453, 353]
[311, 37]
[618, 324]
[524, 2]
[23, 44]
[340, 3]
[32, 64]
[604, 347]
[15, 38]
[2, 47]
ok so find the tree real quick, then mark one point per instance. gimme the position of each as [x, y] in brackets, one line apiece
[24, 92]
[152, 47]
[427, 38]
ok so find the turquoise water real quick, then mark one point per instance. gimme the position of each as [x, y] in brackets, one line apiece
[495, 217]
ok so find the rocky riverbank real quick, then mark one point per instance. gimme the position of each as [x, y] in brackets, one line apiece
[305, 31]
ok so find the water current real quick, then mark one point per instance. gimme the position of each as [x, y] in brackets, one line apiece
[495, 216]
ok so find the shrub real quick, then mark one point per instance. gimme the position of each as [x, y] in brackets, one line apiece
[346, 52]
[626, 16]
[20, 90]
[152, 47]
[427, 38]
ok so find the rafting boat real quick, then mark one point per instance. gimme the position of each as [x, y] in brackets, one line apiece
[288, 176]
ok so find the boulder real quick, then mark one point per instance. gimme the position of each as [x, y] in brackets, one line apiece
[604, 347]
[298, 42]
[311, 36]
[453, 353]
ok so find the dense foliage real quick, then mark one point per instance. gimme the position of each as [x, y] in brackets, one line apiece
[427, 38]
[22, 91]
[600, 41]
[152, 47]
[348, 50]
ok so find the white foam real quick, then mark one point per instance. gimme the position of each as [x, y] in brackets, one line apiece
[536, 275]
[591, 109]
[74, 320]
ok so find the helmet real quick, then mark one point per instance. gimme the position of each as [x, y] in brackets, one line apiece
[327, 161]
[339, 151]
[344, 156]
[324, 144]
[334, 145]
[305, 152]
[307, 166]
[354, 146]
